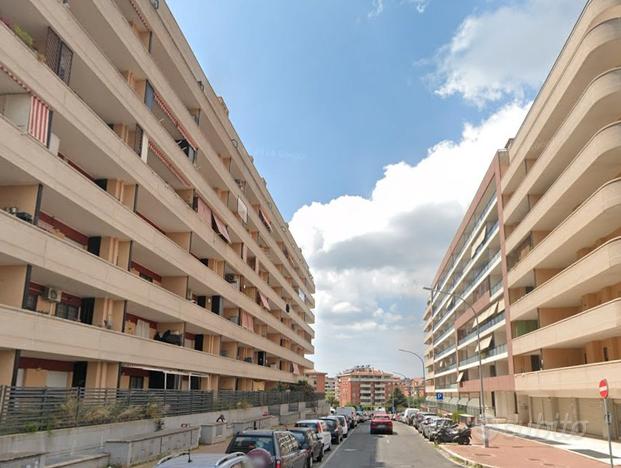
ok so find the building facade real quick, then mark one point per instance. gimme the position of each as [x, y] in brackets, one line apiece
[559, 195]
[317, 380]
[561, 199]
[472, 269]
[139, 246]
[366, 386]
[330, 386]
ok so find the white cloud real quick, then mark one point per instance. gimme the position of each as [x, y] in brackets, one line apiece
[377, 7]
[506, 51]
[370, 256]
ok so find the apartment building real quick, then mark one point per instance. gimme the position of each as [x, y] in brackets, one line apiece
[552, 305]
[561, 201]
[330, 386]
[365, 385]
[139, 246]
[317, 380]
[469, 283]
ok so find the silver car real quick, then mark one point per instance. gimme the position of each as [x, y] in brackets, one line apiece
[206, 460]
[430, 429]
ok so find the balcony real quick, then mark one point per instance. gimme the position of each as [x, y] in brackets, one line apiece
[571, 382]
[499, 352]
[469, 287]
[592, 220]
[598, 323]
[445, 353]
[599, 268]
[484, 327]
[459, 277]
[37, 333]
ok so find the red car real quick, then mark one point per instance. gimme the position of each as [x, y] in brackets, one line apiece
[381, 423]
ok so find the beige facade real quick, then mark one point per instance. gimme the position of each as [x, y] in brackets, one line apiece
[473, 269]
[561, 197]
[139, 245]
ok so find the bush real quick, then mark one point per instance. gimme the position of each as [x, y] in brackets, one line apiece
[455, 416]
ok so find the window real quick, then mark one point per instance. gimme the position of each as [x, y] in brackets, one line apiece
[606, 358]
[149, 95]
[58, 56]
[143, 329]
[67, 311]
[136, 381]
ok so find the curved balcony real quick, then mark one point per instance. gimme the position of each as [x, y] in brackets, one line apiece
[598, 269]
[589, 51]
[598, 323]
[592, 220]
[595, 109]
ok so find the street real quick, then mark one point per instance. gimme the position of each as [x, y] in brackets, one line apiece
[405, 448]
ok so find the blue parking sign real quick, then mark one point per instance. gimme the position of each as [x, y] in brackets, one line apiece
[439, 396]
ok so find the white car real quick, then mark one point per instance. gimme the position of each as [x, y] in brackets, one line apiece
[206, 460]
[320, 429]
[343, 421]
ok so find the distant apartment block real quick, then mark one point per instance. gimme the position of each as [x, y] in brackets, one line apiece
[317, 380]
[366, 386]
[554, 318]
[139, 246]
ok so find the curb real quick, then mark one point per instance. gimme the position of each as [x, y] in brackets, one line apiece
[462, 459]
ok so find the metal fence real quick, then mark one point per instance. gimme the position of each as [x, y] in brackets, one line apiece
[25, 409]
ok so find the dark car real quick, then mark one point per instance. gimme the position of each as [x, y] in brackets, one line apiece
[281, 445]
[309, 441]
[336, 431]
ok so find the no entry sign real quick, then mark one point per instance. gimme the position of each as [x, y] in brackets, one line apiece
[603, 388]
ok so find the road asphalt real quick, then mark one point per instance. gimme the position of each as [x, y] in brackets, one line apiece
[406, 448]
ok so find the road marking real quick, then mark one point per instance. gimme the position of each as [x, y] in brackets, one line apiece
[334, 450]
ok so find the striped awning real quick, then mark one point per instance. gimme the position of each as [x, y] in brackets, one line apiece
[264, 301]
[220, 228]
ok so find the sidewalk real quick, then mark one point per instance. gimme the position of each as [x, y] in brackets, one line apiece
[511, 451]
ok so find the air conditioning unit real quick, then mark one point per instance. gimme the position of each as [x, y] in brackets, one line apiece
[229, 278]
[53, 295]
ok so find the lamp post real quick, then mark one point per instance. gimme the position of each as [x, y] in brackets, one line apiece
[422, 361]
[482, 397]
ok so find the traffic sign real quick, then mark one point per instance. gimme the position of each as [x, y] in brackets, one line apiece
[439, 396]
[603, 388]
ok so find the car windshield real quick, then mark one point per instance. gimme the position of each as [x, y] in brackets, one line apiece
[311, 425]
[331, 423]
[246, 443]
[299, 436]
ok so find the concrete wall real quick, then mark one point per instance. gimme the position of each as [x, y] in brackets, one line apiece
[70, 441]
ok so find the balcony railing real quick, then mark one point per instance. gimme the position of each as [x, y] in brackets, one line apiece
[476, 224]
[25, 409]
[446, 369]
[487, 324]
[483, 271]
[446, 352]
[486, 354]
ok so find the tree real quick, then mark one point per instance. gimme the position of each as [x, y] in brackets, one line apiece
[400, 401]
[332, 401]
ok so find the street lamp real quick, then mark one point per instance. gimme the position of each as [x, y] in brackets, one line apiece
[422, 361]
[482, 397]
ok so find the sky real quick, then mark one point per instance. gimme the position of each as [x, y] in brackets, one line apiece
[373, 122]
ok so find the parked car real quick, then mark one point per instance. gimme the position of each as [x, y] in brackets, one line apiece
[320, 428]
[408, 415]
[336, 431]
[381, 423]
[309, 441]
[425, 422]
[206, 460]
[419, 418]
[349, 412]
[343, 420]
[430, 429]
[282, 446]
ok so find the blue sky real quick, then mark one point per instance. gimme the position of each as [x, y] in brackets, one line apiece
[372, 122]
